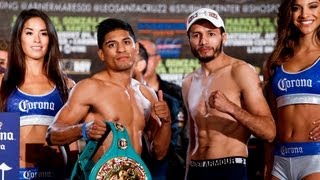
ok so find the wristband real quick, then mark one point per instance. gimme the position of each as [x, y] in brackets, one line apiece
[83, 131]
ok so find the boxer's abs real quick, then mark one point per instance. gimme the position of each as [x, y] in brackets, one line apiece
[215, 145]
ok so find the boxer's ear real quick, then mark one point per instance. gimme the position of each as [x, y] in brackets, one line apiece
[224, 37]
[141, 65]
[100, 54]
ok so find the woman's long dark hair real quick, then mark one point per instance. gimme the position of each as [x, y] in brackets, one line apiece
[15, 74]
[287, 38]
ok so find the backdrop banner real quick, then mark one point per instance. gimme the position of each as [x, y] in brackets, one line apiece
[250, 25]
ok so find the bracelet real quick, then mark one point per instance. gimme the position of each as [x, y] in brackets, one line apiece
[83, 131]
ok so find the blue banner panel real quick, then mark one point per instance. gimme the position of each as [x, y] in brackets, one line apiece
[9, 145]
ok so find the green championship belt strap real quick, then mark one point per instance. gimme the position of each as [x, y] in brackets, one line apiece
[120, 161]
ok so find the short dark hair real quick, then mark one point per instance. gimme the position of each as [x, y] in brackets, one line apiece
[112, 24]
[144, 54]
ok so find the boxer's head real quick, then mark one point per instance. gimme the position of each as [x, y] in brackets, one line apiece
[205, 14]
[112, 24]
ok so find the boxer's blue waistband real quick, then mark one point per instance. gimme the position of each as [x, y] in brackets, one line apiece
[35, 173]
[297, 149]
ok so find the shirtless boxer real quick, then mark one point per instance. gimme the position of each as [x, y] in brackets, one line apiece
[35, 86]
[112, 95]
[225, 104]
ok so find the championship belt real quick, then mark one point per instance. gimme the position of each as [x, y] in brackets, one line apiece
[120, 161]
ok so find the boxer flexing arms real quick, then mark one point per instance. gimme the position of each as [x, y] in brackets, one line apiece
[112, 95]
